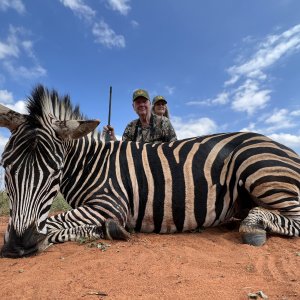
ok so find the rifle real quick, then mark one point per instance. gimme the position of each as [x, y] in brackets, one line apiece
[107, 136]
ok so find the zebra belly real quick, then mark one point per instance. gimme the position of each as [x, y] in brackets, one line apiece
[170, 222]
[167, 226]
[179, 214]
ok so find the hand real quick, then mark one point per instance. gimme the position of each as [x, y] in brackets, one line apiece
[109, 133]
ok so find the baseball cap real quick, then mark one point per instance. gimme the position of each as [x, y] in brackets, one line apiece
[158, 98]
[140, 93]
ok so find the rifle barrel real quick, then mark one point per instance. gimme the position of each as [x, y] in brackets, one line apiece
[109, 109]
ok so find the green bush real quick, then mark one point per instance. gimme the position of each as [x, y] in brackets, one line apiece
[59, 204]
[4, 206]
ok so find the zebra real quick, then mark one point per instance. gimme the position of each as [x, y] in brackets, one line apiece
[115, 187]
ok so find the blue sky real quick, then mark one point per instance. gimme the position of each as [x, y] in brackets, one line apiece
[223, 66]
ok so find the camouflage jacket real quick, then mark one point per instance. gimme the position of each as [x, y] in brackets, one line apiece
[160, 130]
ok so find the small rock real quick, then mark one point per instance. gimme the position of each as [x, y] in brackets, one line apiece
[258, 295]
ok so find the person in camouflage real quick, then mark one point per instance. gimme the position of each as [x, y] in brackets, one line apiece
[148, 127]
[159, 130]
[159, 106]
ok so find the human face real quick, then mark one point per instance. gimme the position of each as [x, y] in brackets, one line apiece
[141, 106]
[160, 108]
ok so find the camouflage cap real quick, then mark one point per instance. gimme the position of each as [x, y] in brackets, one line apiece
[158, 98]
[140, 93]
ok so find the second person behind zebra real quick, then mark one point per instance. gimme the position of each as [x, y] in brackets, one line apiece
[159, 106]
[148, 127]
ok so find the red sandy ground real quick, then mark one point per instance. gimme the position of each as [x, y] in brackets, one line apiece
[209, 265]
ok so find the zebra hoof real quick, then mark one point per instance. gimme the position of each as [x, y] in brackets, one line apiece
[114, 231]
[254, 238]
[254, 235]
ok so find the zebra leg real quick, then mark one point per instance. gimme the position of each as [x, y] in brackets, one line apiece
[66, 227]
[111, 229]
[88, 232]
[278, 201]
[73, 233]
[260, 221]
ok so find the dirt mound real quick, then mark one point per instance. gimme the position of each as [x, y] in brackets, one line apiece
[209, 265]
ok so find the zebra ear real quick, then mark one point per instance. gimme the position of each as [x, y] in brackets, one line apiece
[10, 118]
[74, 129]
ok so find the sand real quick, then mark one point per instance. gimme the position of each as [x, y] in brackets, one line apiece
[208, 265]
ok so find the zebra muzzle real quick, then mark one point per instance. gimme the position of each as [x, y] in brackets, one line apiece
[26, 244]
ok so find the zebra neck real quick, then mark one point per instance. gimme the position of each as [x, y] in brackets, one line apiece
[88, 165]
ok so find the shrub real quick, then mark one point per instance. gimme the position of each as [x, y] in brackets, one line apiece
[59, 204]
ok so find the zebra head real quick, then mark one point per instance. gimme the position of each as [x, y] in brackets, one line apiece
[33, 160]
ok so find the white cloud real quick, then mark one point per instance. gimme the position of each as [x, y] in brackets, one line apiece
[270, 123]
[279, 126]
[269, 52]
[18, 72]
[6, 96]
[194, 127]
[248, 78]
[101, 30]
[15, 48]
[106, 36]
[232, 80]
[278, 120]
[134, 24]
[3, 142]
[80, 9]
[169, 89]
[278, 116]
[19, 106]
[27, 45]
[289, 140]
[221, 98]
[14, 4]
[295, 113]
[249, 97]
[10, 47]
[7, 50]
[251, 127]
[7, 99]
[199, 102]
[121, 6]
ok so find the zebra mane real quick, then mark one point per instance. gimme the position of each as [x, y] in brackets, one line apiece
[43, 103]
